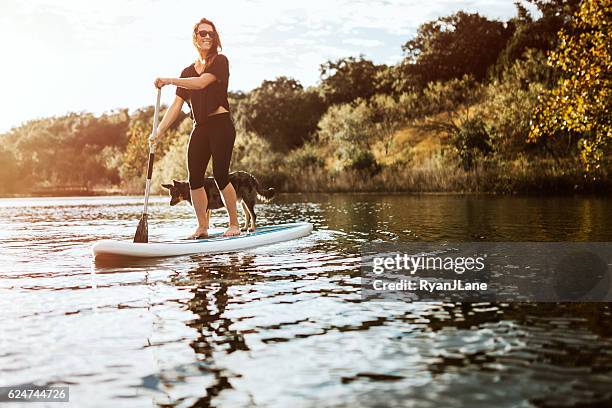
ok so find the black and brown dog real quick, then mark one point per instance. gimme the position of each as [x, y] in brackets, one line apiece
[247, 190]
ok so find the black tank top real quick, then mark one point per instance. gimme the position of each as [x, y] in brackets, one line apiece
[203, 102]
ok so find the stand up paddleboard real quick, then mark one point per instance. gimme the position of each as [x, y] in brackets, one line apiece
[215, 243]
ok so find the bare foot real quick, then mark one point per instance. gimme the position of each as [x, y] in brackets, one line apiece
[200, 232]
[233, 230]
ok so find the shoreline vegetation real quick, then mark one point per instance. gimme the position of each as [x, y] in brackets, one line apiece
[476, 106]
[553, 180]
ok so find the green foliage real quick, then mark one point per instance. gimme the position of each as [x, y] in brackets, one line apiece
[137, 150]
[365, 122]
[454, 46]
[509, 103]
[346, 124]
[386, 116]
[450, 95]
[347, 79]
[361, 159]
[529, 69]
[441, 98]
[136, 154]
[91, 168]
[65, 150]
[10, 171]
[347, 130]
[252, 153]
[106, 130]
[445, 104]
[389, 80]
[538, 35]
[281, 112]
[173, 164]
[350, 130]
[110, 158]
[471, 139]
[307, 156]
[581, 103]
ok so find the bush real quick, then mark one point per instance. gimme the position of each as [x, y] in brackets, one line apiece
[471, 139]
[255, 155]
[304, 157]
[387, 116]
[363, 160]
[346, 124]
[450, 95]
[510, 102]
[173, 165]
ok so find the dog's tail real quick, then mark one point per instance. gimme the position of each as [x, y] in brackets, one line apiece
[264, 194]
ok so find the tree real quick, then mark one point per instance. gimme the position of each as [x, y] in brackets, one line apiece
[581, 102]
[453, 46]
[136, 152]
[281, 112]
[387, 117]
[509, 103]
[67, 150]
[390, 80]
[540, 34]
[349, 131]
[9, 172]
[347, 79]
[106, 130]
[471, 139]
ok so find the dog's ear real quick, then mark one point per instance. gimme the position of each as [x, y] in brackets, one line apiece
[167, 186]
[175, 182]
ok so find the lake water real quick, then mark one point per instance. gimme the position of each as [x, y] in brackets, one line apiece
[285, 325]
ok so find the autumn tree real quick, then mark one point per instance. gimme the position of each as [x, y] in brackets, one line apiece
[580, 104]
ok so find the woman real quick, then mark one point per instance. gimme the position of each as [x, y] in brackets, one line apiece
[203, 85]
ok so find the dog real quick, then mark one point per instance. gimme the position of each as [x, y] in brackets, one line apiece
[247, 190]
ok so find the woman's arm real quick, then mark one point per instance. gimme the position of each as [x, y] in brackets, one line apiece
[170, 116]
[200, 82]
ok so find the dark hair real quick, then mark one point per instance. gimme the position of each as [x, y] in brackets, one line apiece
[216, 46]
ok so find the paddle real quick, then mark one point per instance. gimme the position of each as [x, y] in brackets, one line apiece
[142, 232]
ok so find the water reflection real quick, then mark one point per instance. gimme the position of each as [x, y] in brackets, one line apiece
[211, 282]
[285, 324]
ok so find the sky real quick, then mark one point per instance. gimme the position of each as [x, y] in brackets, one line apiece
[96, 56]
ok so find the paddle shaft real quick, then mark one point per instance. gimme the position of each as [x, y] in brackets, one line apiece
[152, 152]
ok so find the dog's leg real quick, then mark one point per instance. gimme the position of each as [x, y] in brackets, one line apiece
[247, 217]
[251, 210]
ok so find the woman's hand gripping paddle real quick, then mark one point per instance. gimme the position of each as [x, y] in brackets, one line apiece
[142, 232]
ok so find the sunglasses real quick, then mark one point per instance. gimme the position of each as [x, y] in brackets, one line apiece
[205, 33]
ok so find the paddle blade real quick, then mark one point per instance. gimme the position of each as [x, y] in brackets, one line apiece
[142, 232]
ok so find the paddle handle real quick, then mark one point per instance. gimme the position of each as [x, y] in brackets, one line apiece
[156, 114]
[152, 151]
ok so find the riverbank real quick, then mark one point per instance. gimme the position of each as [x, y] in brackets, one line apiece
[541, 178]
[506, 179]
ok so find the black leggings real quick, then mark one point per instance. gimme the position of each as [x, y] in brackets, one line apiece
[215, 138]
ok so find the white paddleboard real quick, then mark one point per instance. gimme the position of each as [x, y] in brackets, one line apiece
[215, 243]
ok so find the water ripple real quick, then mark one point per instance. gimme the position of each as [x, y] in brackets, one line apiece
[285, 324]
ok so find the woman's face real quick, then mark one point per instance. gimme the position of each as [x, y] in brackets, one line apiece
[205, 42]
